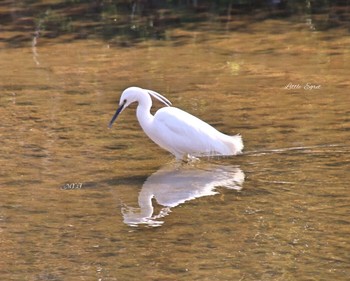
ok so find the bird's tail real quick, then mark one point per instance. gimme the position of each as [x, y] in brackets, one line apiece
[237, 144]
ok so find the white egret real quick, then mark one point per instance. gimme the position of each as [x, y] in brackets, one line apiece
[175, 130]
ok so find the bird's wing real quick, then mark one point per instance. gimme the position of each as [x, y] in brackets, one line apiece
[183, 131]
[180, 122]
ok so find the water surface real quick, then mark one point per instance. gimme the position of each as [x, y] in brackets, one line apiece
[280, 211]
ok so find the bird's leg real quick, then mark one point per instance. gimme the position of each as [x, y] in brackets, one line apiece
[187, 158]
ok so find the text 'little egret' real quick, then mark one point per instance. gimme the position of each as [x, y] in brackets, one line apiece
[175, 130]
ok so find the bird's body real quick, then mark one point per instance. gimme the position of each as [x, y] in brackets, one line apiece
[184, 134]
[177, 131]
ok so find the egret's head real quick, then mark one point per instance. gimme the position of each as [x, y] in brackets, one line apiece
[128, 96]
[133, 94]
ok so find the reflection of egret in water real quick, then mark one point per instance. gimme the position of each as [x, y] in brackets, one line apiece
[174, 184]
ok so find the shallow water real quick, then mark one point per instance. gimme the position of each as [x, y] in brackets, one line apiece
[82, 202]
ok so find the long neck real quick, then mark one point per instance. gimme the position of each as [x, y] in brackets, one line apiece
[143, 112]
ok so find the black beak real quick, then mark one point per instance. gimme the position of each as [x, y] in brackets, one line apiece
[120, 108]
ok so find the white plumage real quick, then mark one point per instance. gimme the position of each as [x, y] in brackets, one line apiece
[175, 130]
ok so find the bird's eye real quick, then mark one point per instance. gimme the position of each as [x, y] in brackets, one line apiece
[124, 101]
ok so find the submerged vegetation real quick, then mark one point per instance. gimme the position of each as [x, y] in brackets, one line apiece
[126, 21]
